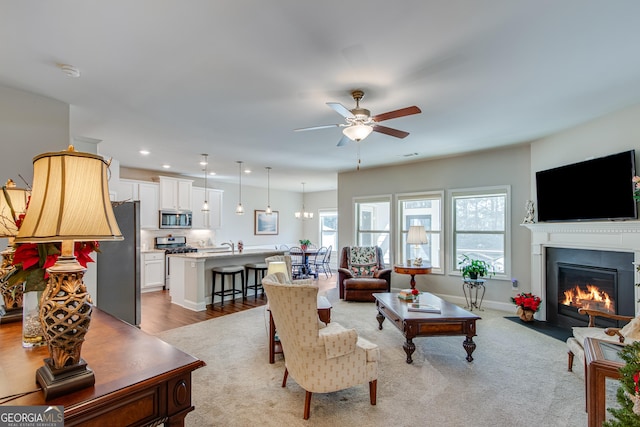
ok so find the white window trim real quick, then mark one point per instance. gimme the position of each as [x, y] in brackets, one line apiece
[392, 220]
[498, 189]
[421, 195]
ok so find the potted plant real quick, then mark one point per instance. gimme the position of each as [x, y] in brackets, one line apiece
[304, 243]
[528, 304]
[474, 268]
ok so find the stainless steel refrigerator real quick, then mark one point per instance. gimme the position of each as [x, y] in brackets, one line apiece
[118, 265]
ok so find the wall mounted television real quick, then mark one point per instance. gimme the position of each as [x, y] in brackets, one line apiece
[593, 190]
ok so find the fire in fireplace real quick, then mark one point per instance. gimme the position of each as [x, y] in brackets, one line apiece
[596, 280]
[587, 287]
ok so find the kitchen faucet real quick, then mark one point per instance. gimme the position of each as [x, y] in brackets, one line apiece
[231, 245]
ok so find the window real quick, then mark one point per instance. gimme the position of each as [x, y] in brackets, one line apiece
[373, 219]
[328, 228]
[481, 228]
[426, 210]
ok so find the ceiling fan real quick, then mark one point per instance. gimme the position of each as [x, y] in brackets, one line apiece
[359, 122]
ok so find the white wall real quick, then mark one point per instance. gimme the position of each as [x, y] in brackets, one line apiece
[509, 166]
[610, 134]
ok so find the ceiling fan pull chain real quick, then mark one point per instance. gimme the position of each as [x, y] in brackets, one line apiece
[358, 155]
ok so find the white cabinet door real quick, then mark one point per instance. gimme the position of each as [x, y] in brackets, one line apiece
[152, 270]
[149, 211]
[125, 190]
[197, 199]
[184, 194]
[214, 199]
[175, 193]
[215, 207]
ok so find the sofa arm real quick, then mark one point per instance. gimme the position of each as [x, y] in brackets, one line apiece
[597, 313]
[338, 341]
[347, 274]
[384, 274]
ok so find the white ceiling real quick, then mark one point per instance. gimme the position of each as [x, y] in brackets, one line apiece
[233, 78]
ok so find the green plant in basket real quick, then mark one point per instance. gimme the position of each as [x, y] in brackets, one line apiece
[305, 242]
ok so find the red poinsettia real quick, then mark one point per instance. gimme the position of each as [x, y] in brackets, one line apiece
[33, 259]
[527, 301]
[414, 292]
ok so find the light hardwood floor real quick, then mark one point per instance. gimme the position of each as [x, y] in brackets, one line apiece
[158, 314]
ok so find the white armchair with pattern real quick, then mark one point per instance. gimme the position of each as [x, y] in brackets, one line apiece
[320, 359]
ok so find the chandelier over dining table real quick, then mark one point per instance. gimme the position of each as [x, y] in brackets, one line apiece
[303, 214]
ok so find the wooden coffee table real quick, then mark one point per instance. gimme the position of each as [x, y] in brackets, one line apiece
[452, 320]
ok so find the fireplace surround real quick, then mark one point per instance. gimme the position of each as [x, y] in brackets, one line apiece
[596, 279]
[607, 236]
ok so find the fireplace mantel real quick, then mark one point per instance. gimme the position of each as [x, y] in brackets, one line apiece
[621, 236]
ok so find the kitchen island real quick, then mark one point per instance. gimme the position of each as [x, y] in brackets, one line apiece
[191, 280]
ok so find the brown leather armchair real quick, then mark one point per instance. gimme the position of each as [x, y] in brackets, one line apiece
[362, 273]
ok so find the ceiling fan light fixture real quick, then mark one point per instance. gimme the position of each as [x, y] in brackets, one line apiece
[357, 132]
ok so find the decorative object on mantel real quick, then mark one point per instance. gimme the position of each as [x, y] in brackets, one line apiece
[474, 268]
[527, 304]
[69, 203]
[529, 217]
[628, 394]
[13, 203]
[636, 188]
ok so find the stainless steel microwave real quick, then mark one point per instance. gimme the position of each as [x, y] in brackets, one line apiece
[175, 219]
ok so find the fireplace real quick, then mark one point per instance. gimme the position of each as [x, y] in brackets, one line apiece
[592, 279]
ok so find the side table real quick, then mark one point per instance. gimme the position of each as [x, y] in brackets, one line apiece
[473, 287]
[412, 270]
[601, 360]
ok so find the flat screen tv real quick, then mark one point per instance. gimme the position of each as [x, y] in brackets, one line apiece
[594, 190]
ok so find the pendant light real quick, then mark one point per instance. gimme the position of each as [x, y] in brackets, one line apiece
[239, 208]
[303, 215]
[268, 211]
[205, 204]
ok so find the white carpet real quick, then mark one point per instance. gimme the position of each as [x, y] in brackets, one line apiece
[518, 377]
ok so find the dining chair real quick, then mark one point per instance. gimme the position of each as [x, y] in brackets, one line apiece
[283, 248]
[298, 265]
[319, 262]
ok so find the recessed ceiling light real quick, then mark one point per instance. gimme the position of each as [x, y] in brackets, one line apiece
[212, 173]
[247, 170]
[144, 152]
[166, 166]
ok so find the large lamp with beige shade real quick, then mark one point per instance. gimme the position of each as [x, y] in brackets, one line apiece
[69, 203]
[417, 235]
[13, 203]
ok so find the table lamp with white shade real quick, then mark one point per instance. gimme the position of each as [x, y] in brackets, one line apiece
[417, 235]
[69, 203]
[13, 203]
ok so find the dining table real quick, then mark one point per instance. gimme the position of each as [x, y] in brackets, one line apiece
[306, 254]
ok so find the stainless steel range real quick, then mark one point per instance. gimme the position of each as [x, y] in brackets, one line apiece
[172, 245]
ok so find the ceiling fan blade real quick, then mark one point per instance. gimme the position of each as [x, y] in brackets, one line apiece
[316, 127]
[397, 113]
[343, 141]
[341, 109]
[390, 131]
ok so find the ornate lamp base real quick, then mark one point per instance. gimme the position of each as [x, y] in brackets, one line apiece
[10, 315]
[56, 382]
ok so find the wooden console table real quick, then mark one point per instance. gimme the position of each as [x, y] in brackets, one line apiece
[140, 379]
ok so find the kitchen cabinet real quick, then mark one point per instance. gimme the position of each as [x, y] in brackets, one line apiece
[152, 271]
[175, 193]
[214, 198]
[146, 192]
